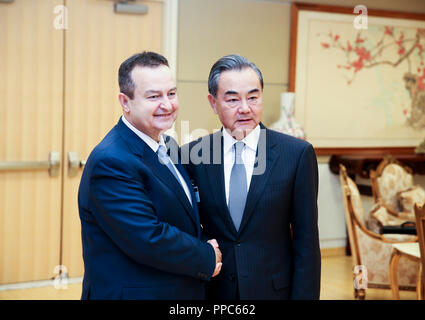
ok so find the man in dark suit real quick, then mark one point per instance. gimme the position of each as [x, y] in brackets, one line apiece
[140, 225]
[258, 194]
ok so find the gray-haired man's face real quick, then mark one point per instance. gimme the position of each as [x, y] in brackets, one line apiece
[238, 103]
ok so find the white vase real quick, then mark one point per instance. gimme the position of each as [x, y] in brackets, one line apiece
[287, 123]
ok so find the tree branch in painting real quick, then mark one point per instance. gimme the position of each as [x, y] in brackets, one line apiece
[392, 49]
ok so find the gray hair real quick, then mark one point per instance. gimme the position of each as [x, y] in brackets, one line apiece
[227, 63]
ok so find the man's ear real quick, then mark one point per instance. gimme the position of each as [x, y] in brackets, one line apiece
[212, 102]
[124, 99]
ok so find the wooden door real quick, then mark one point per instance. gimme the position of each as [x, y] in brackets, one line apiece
[31, 113]
[97, 41]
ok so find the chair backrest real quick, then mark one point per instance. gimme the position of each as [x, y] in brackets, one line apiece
[348, 188]
[389, 178]
[351, 193]
[420, 231]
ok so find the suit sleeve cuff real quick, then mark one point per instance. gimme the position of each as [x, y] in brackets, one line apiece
[210, 267]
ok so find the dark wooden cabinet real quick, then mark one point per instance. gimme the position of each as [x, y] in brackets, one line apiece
[361, 164]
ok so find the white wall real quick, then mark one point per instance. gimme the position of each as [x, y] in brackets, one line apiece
[332, 231]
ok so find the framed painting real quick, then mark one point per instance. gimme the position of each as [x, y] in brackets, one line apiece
[359, 84]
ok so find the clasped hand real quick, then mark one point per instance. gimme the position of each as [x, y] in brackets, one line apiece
[218, 256]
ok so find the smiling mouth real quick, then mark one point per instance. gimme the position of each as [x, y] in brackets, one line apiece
[163, 115]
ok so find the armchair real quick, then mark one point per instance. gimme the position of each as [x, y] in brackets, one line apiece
[393, 187]
[371, 249]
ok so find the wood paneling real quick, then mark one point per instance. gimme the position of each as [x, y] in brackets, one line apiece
[97, 42]
[30, 127]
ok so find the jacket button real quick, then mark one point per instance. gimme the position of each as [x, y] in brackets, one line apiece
[232, 277]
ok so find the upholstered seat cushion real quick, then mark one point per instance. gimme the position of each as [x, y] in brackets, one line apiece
[399, 237]
[379, 217]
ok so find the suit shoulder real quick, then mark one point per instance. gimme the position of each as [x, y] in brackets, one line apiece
[197, 141]
[285, 139]
[111, 148]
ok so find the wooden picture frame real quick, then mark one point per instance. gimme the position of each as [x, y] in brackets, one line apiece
[305, 114]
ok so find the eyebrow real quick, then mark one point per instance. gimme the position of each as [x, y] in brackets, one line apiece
[235, 92]
[230, 92]
[148, 92]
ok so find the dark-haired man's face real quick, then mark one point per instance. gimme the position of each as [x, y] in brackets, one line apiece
[239, 101]
[154, 106]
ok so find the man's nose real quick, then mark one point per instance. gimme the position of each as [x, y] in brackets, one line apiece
[244, 107]
[166, 104]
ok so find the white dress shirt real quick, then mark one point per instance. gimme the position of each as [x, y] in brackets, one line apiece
[154, 146]
[248, 155]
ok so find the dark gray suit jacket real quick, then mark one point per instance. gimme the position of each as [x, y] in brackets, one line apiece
[264, 258]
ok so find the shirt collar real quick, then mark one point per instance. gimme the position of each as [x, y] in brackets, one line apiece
[251, 140]
[148, 140]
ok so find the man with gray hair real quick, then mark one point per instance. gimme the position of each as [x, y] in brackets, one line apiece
[265, 220]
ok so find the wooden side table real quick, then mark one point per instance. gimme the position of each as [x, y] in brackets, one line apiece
[411, 251]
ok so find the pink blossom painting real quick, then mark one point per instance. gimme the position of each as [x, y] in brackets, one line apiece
[358, 88]
[410, 49]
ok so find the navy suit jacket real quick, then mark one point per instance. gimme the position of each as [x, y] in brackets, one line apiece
[263, 257]
[141, 236]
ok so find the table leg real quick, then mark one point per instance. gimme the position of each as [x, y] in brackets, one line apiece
[393, 274]
[420, 284]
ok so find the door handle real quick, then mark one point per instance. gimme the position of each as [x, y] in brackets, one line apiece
[74, 163]
[52, 165]
[124, 7]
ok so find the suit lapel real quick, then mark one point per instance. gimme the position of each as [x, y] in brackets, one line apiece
[194, 205]
[258, 181]
[150, 159]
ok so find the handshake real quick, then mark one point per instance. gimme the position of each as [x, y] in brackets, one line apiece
[218, 257]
